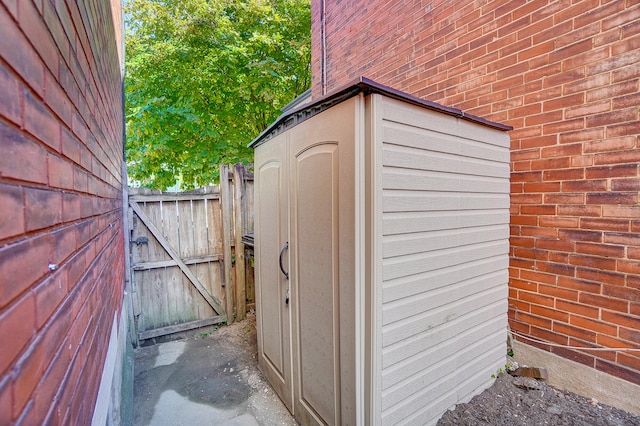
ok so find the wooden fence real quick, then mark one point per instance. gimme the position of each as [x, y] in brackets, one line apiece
[190, 267]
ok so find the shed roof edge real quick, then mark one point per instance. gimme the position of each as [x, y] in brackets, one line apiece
[366, 86]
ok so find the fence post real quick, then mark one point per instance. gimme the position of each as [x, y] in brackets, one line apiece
[239, 199]
[225, 199]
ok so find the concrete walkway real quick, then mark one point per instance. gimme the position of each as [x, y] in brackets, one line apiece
[208, 378]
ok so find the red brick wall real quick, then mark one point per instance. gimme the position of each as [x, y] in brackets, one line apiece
[61, 150]
[565, 74]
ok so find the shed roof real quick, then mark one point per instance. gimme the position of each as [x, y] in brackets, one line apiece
[364, 85]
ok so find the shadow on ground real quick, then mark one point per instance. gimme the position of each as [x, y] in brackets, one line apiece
[208, 378]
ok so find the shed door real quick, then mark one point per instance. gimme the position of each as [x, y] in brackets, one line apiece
[322, 250]
[272, 291]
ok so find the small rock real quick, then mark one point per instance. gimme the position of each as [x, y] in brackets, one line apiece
[527, 383]
[554, 409]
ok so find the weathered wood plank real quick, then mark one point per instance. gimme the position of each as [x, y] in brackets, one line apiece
[214, 226]
[185, 229]
[170, 225]
[249, 199]
[225, 200]
[163, 331]
[215, 304]
[174, 285]
[196, 192]
[158, 315]
[214, 232]
[157, 298]
[201, 247]
[202, 308]
[199, 228]
[178, 308]
[239, 201]
[155, 249]
[184, 300]
[249, 228]
[188, 261]
[250, 277]
[177, 196]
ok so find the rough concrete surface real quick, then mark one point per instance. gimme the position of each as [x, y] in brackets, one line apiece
[210, 377]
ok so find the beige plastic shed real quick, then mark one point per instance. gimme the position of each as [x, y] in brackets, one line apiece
[381, 228]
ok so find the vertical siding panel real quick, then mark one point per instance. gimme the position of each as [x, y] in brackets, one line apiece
[445, 215]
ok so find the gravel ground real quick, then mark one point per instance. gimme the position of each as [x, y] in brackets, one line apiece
[517, 401]
[208, 376]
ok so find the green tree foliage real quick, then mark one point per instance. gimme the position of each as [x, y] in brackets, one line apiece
[203, 78]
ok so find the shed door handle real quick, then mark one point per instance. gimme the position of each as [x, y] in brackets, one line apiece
[284, 247]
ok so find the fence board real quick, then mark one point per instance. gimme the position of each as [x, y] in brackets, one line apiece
[180, 327]
[174, 284]
[239, 205]
[214, 225]
[214, 234]
[248, 211]
[173, 196]
[225, 200]
[200, 233]
[186, 303]
[157, 297]
[156, 251]
[187, 261]
[200, 244]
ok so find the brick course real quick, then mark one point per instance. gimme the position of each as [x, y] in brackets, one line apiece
[60, 196]
[565, 75]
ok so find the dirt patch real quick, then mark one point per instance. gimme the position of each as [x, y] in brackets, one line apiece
[516, 401]
[205, 376]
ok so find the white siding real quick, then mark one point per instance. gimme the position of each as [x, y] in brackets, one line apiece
[445, 230]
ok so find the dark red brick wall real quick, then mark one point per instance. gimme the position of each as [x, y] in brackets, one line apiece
[61, 150]
[565, 74]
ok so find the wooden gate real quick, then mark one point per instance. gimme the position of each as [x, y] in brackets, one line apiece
[187, 254]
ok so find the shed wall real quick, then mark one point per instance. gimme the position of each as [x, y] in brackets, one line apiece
[61, 228]
[565, 75]
[444, 234]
